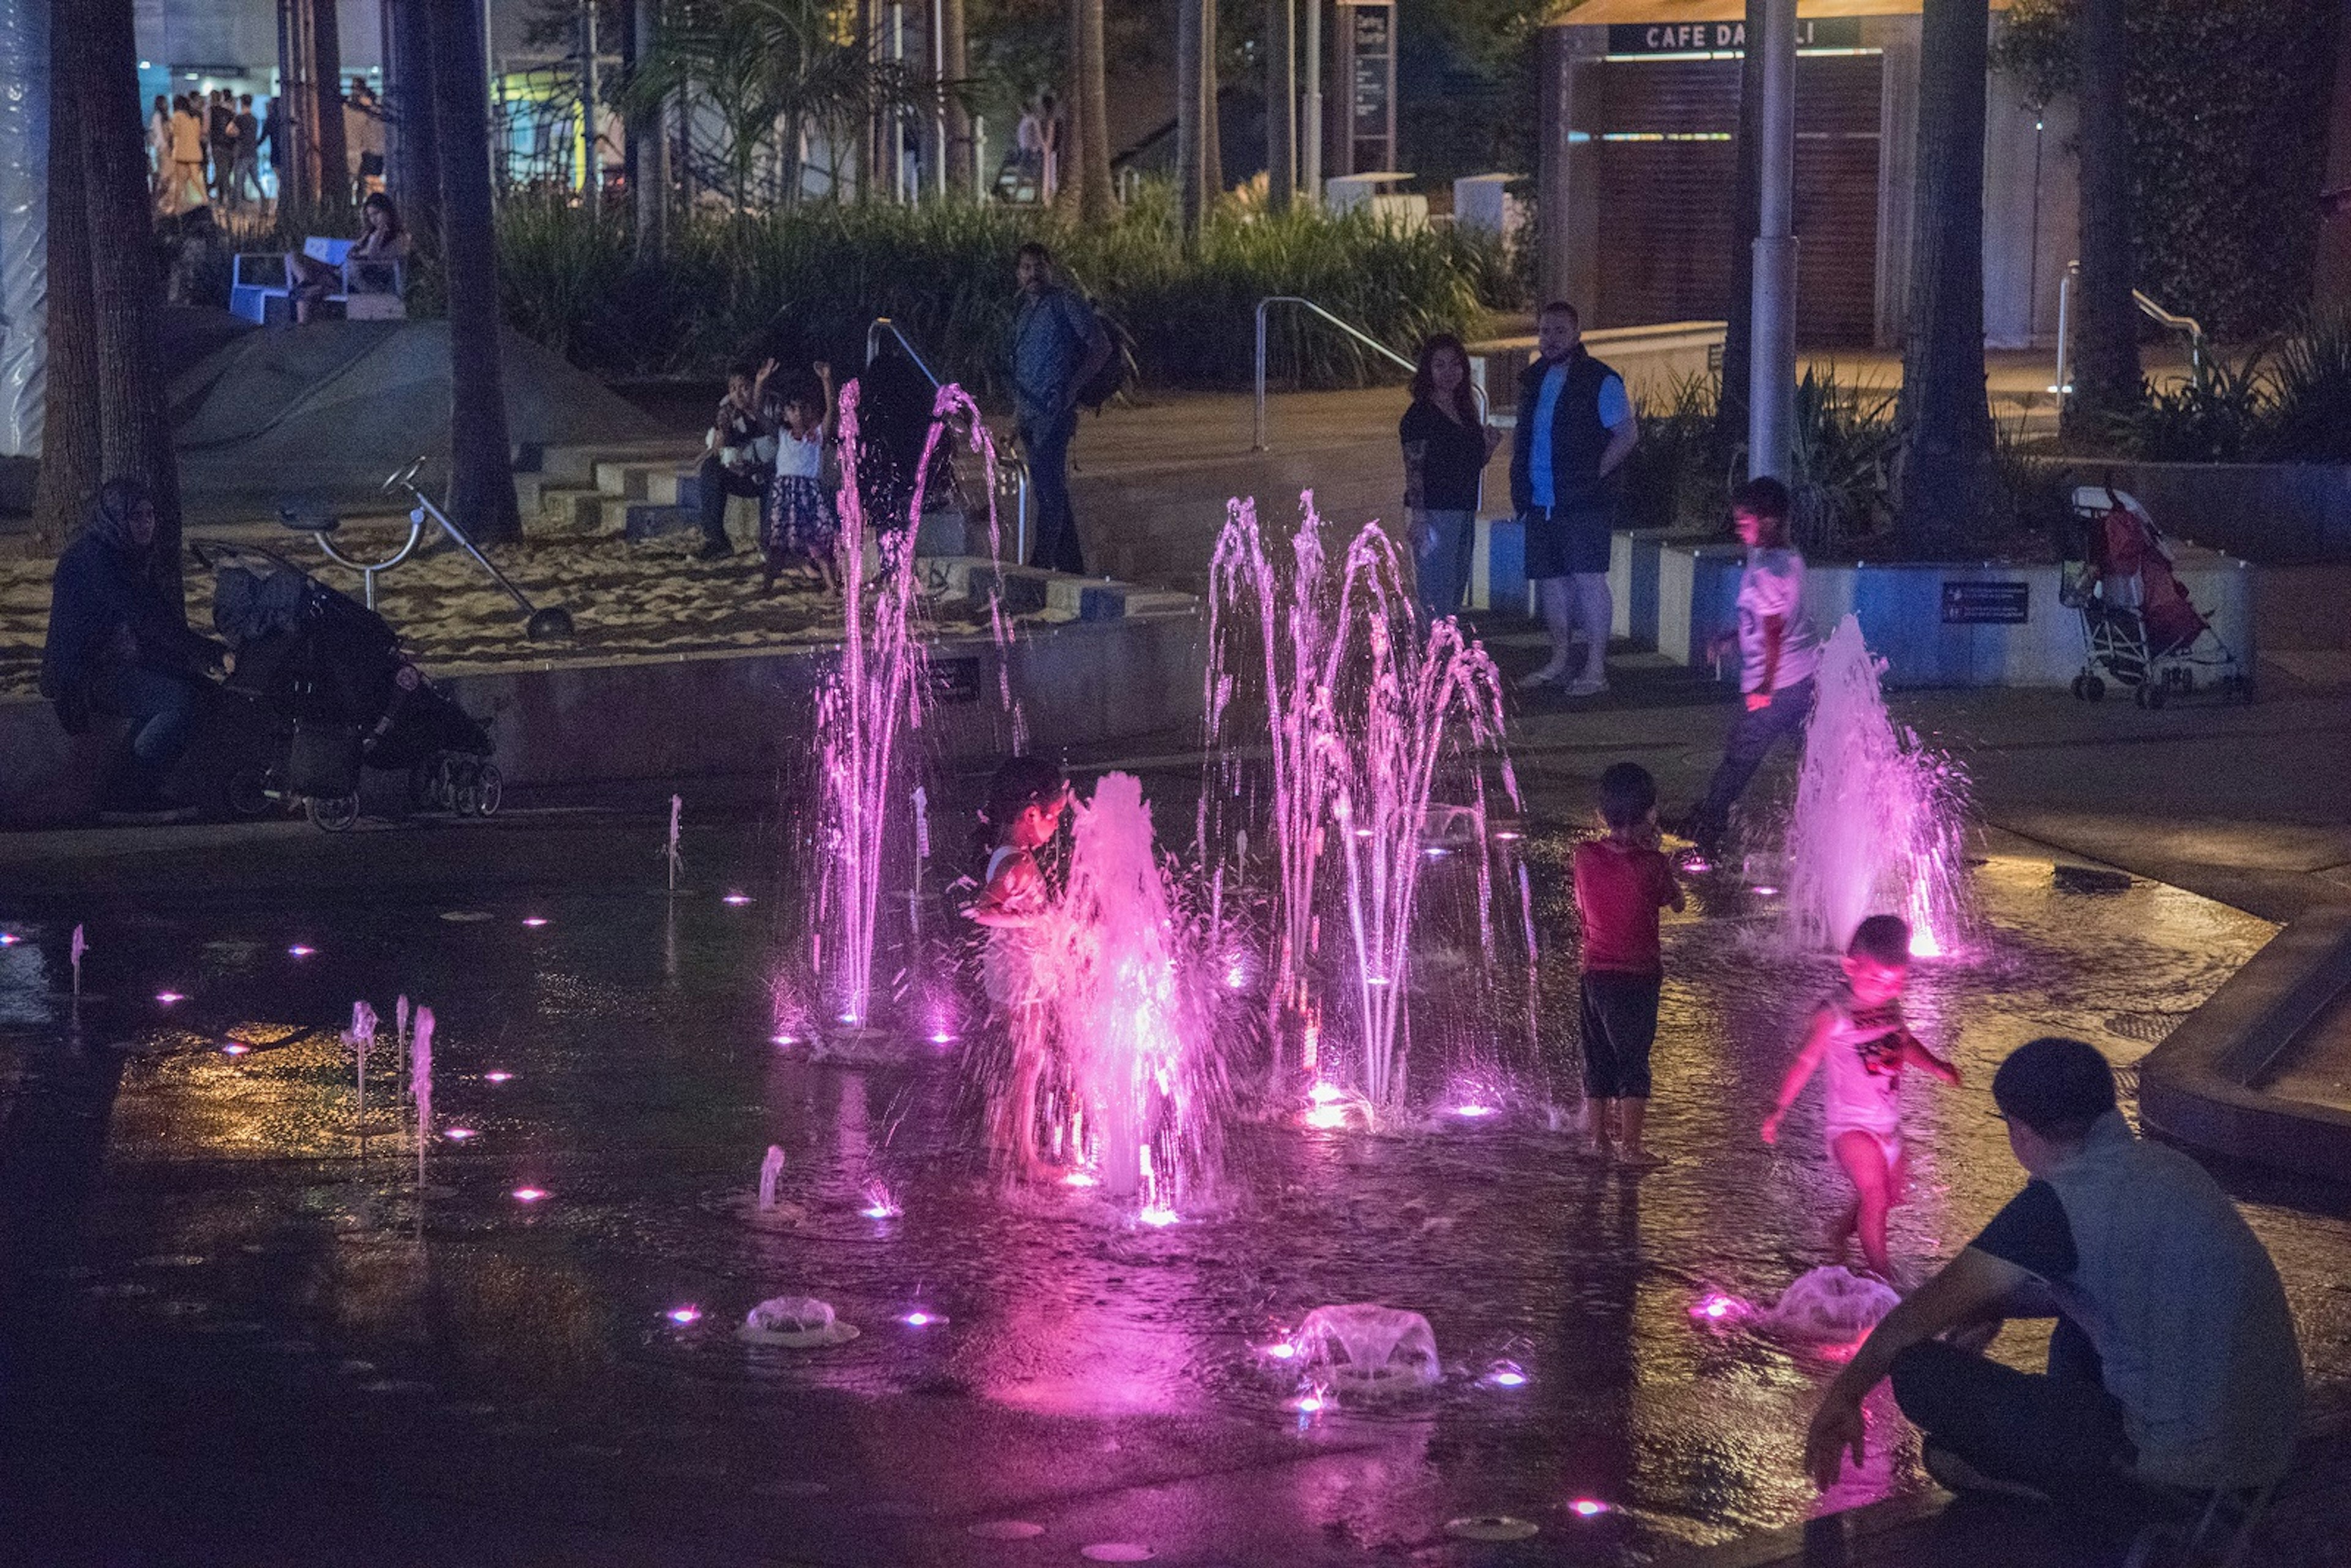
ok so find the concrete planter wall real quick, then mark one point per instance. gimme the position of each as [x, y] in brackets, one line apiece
[1676, 598]
[2274, 513]
[1902, 611]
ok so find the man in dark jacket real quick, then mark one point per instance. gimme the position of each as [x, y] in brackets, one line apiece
[119, 645]
[1575, 428]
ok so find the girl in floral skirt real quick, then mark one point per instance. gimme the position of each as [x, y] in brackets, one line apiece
[801, 523]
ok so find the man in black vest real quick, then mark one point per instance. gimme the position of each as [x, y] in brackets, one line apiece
[1575, 428]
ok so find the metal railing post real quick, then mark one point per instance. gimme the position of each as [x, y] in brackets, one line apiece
[1365, 338]
[873, 346]
[2065, 386]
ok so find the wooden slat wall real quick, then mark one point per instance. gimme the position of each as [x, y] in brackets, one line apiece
[1664, 206]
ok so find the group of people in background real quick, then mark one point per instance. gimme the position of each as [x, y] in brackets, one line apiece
[204, 148]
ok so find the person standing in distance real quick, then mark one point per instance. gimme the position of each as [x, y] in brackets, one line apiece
[1058, 345]
[1575, 429]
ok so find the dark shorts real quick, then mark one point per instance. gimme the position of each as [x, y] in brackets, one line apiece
[1570, 540]
[1620, 1024]
[371, 165]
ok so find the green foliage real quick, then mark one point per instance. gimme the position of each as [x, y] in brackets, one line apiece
[2287, 402]
[2228, 131]
[1844, 458]
[1466, 81]
[807, 282]
[1680, 475]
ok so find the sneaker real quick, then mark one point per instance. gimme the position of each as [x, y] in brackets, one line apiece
[712, 549]
[1538, 679]
[1587, 687]
[1954, 1474]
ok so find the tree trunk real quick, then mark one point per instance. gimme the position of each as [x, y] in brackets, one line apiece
[1212, 144]
[134, 422]
[650, 139]
[326, 69]
[72, 442]
[965, 176]
[481, 468]
[1944, 457]
[2104, 364]
[413, 168]
[1280, 104]
[1746, 221]
[1096, 201]
[1190, 184]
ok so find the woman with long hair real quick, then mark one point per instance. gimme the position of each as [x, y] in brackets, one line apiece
[1447, 441]
[368, 267]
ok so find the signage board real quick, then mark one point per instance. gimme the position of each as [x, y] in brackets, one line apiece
[1982, 603]
[1729, 37]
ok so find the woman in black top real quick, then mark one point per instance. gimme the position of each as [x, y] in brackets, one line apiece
[1446, 445]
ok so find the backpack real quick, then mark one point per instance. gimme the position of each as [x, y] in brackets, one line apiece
[1116, 371]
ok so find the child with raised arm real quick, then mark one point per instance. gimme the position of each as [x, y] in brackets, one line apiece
[1025, 802]
[801, 523]
[1859, 1044]
[1621, 883]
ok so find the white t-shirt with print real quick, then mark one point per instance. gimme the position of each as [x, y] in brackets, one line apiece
[1773, 585]
[799, 459]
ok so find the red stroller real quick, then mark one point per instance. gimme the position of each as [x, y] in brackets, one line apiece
[2138, 625]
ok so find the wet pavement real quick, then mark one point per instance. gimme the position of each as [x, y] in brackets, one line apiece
[232, 1338]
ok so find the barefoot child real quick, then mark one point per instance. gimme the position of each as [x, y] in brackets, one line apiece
[1621, 883]
[799, 522]
[1858, 1040]
[1025, 801]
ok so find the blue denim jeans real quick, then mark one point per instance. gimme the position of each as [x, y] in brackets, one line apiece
[1443, 546]
[1752, 736]
[1045, 442]
[159, 708]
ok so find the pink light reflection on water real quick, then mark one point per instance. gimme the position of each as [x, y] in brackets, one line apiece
[9, 938]
[684, 1316]
[235, 1048]
[460, 1135]
[1589, 1507]
[1158, 1217]
[168, 997]
[534, 921]
[300, 950]
[496, 1075]
[531, 1195]
[919, 1319]
[1473, 1112]
[737, 898]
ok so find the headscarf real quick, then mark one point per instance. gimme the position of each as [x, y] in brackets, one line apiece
[109, 515]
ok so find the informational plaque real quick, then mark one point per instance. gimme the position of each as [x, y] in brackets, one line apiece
[1367, 66]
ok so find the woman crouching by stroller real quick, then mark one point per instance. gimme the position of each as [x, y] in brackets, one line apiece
[119, 647]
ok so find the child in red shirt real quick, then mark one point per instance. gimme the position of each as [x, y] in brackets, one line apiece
[1621, 883]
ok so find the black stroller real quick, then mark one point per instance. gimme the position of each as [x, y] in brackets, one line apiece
[333, 691]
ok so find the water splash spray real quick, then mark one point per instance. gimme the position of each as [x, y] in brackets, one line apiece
[420, 1083]
[362, 1036]
[77, 948]
[676, 861]
[1878, 825]
[770, 1170]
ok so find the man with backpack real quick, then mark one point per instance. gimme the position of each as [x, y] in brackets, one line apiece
[1059, 349]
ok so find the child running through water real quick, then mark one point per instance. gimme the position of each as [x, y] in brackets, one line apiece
[801, 522]
[1621, 883]
[1025, 802]
[1858, 1040]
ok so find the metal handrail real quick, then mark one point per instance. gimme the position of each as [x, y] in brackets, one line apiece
[873, 347]
[1360, 337]
[1012, 460]
[2197, 344]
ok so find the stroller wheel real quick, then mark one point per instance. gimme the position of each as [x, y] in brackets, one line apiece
[489, 788]
[2148, 695]
[2079, 695]
[2094, 689]
[333, 814]
[248, 792]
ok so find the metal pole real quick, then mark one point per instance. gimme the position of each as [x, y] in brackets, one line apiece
[1309, 107]
[898, 116]
[588, 109]
[1771, 375]
[1258, 443]
[2064, 329]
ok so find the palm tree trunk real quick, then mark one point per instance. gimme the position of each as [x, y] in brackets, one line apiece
[481, 466]
[1944, 457]
[414, 166]
[1212, 146]
[2106, 368]
[1191, 199]
[964, 173]
[1281, 104]
[134, 422]
[1097, 203]
[72, 444]
[1746, 223]
[326, 69]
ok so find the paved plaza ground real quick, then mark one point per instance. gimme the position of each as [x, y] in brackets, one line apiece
[229, 1339]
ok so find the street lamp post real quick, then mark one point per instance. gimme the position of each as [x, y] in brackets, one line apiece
[1772, 371]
